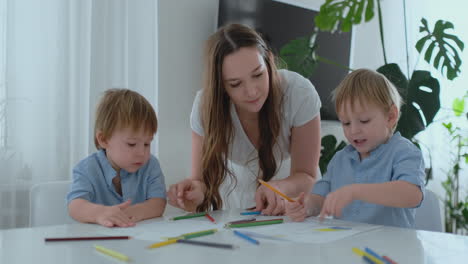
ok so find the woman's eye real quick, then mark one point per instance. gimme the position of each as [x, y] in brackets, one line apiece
[258, 75]
[131, 144]
[234, 85]
[345, 123]
[364, 121]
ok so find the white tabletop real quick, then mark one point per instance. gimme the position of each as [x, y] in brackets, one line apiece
[26, 245]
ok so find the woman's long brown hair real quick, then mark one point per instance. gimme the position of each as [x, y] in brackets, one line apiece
[216, 117]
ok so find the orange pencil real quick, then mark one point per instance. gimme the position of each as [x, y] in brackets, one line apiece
[210, 218]
[275, 190]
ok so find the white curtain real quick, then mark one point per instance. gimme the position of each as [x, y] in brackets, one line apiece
[56, 59]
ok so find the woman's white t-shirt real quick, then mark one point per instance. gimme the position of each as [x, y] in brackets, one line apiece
[301, 104]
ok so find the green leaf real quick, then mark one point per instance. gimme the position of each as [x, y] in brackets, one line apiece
[458, 106]
[442, 48]
[299, 55]
[329, 148]
[343, 13]
[420, 96]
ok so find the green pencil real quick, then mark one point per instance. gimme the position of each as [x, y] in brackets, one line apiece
[188, 216]
[256, 223]
[194, 234]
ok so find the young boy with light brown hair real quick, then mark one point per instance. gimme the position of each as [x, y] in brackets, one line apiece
[379, 177]
[122, 183]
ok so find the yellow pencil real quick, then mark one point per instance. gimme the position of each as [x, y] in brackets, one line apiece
[363, 253]
[163, 243]
[275, 190]
[111, 253]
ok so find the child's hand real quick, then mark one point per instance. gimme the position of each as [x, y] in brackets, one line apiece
[187, 195]
[115, 216]
[296, 210]
[336, 201]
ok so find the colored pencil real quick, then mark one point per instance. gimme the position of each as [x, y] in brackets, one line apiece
[62, 239]
[206, 244]
[255, 223]
[111, 253]
[188, 216]
[210, 218]
[389, 260]
[373, 253]
[163, 243]
[241, 221]
[362, 253]
[246, 237]
[275, 190]
[194, 234]
[251, 213]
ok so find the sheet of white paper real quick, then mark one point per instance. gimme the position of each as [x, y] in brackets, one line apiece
[308, 231]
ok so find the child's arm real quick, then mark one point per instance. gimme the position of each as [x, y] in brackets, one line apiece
[86, 212]
[150, 208]
[400, 194]
[306, 205]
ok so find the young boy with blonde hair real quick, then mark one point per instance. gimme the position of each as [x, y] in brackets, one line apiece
[379, 177]
[122, 183]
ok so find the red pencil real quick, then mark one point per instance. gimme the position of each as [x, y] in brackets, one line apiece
[210, 218]
[58, 239]
[389, 260]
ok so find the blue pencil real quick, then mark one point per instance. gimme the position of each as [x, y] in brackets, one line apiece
[373, 253]
[246, 237]
[251, 213]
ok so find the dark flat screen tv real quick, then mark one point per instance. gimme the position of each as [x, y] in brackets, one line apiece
[279, 23]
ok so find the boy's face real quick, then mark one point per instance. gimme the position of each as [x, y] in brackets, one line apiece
[366, 126]
[127, 149]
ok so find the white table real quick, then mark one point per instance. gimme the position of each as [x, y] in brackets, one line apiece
[26, 245]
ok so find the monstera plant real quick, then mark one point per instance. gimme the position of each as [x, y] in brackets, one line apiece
[420, 92]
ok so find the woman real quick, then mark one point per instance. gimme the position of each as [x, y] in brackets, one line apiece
[248, 119]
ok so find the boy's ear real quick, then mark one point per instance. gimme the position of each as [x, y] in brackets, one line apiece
[393, 115]
[102, 141]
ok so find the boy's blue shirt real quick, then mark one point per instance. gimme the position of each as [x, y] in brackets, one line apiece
[92, 181]
[398, 159]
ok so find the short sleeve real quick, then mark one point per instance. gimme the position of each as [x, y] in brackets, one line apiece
[81, 186]
[195, 116]
[305, 101]
[323, 186]
[155, 181]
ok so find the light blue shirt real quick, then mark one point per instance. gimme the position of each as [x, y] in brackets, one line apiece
[92, 181]
[396, 160]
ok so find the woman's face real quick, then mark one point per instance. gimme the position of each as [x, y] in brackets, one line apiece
[245, 78]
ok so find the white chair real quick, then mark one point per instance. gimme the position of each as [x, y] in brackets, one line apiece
[47, 204]
[428, 215]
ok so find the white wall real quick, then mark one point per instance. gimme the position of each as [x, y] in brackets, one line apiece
[184, 25]
[366, 46]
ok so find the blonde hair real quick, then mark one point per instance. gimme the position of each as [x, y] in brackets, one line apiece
[367, 86]
[216, 117]
[123, 108]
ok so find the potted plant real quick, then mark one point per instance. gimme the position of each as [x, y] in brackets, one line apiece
[439, 48]
[456, 209]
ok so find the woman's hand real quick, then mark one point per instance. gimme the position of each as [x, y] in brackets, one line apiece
[269, 202]
[186, 195]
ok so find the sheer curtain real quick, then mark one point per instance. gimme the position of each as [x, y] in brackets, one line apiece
[57, 57]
